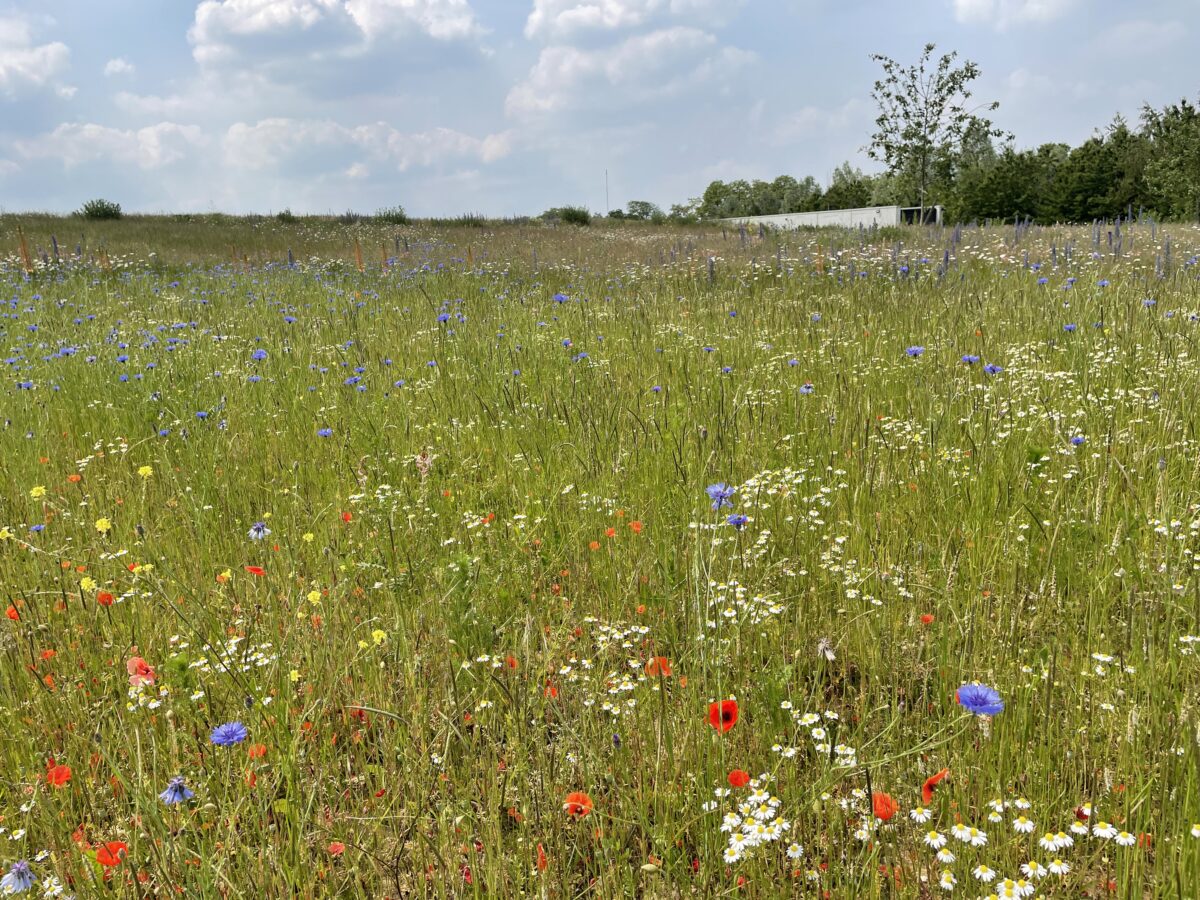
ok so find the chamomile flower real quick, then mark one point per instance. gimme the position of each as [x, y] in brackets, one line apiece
[731, 821]
[947, 881]
[1058, 867]
[1125, 839]
[1035, 869]
[1023, 825]
[1022, 803]
[732, 854]
[1079, 827]
[919, 814]
[946, 856]
[935, 839]
[1196, 830]
[794, 851]
[960, 831]
[1104, 830]
[983, 873]
[1049, 841]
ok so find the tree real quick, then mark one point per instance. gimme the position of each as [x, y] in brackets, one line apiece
[1173, 169]
[848, 189]
[642, 209]
[924, 116]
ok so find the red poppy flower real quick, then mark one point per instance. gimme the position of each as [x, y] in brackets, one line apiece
[12, 613]
[658, 665]
[883, 806]
[577, 804]
[346, 517]
[738, 778]
[57, 775]
[104, 598]
[112, 853]
[336, 848]
[635, 526]
[723, 716]
[256, 570]
[542, 862]
[930, 783]
[927, 619]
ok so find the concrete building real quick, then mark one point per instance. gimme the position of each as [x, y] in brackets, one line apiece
[866, 217]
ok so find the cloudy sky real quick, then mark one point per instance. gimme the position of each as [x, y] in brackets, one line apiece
[510, 106]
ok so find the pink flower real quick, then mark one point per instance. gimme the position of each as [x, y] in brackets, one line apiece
[139, 672]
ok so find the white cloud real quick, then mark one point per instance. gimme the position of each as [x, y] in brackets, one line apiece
[267, 143]
[558, 19]
[644, 67]
[1001, 14]
[24, 63]
[147, 148]
[118, 66]
[220, 25]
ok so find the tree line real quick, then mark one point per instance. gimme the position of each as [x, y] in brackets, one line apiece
[940, 148]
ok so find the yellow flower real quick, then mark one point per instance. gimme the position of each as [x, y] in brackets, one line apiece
[294, 675]
[266, 515]
[38, 491]
[308, 537]
[314, 596]
[362, 645]
[88, 583]
[104, 526]
[378, 636]
[146, 471]
[5, 534]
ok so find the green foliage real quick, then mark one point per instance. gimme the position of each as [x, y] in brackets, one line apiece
[286, 217]
[392, 215]
[100, 210]
[568, 215]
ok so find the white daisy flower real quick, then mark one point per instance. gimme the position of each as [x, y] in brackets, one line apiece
[1022, 824]
[1058, 867]
[983, 873]
[1035, 869]
[921, 815]
[1196, 830]
[732, 854]
[977, 837]
[935, 839]
[946, 856]
[948, 881]
[1104, 830]
[1125, 839]
[1079, 827]
[795, 851]
[961, 831]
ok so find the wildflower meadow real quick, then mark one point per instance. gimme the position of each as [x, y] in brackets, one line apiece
[499, 560]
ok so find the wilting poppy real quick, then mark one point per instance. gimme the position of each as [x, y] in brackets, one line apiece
[140, 672]
[658, 665]
[723, 716]
[883, 806]
[542, 862]
[739, 778]
[930, 783]
[577, 804]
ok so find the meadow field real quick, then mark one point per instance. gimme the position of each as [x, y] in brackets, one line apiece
[515, 560]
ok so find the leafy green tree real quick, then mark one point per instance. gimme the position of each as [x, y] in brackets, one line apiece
[642, 209]
[849, 188]
[924, 116]
[1173, 166]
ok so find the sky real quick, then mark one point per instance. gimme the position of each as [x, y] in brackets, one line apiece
[509, 107]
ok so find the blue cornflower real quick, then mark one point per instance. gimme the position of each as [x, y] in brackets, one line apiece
[164, 432]
[202, 415]
[566, 342]
[324, 432]
[37, 529]
[1103, 282]
[560, 298]
[738, 521]
[444, 317]
[807, 388]
[19, 878]
[979, 699]
[581, 355]
[657, 389]
[1148, 302]
[816, 317]
[176, 792]
[726, 369]
[720, 493]
[992, 369]
[1077, 440]
[229, 734]
[352, 380]
[1069, 327]
[914, 351]
[793, 362]
[432, 364]
[1043, 280]
[970, 359]
[258, 531]
[733, 314]
[259, 354]
[289, 319]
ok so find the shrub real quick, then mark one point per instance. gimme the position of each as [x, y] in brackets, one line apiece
[286, 216]
[570, 215]
[100, 209]
[349, 217]
[392, 215]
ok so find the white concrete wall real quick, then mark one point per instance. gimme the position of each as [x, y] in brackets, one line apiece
[837, 218]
